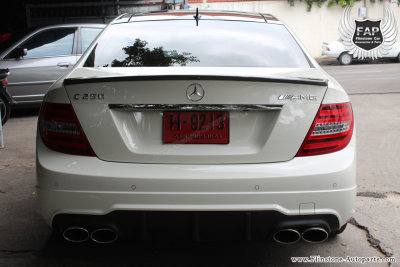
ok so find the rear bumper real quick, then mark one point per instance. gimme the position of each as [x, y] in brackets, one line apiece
[333, 54]
[317, 185]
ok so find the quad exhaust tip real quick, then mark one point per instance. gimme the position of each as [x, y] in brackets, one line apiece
[76, 234]
[310, 235]
[315, 235]
[287, 236]
[104, 236]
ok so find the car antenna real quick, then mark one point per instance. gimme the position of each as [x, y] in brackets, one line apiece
[197, 17]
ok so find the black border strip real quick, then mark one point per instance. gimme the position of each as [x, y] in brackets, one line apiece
[319, 82]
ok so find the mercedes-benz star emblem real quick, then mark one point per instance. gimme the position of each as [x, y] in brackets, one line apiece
[195, 92]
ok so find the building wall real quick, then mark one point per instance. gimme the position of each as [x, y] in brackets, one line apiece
[312, 28]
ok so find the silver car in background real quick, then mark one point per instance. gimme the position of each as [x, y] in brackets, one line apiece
[43, 56]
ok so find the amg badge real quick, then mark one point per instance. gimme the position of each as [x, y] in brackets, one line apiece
[298, 97]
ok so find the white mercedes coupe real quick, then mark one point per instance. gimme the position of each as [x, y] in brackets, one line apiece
[197, 125]
[337, 50]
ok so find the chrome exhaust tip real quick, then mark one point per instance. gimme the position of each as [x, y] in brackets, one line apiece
[287, 236]
[76, 234]
[104, 236]
[315, 235]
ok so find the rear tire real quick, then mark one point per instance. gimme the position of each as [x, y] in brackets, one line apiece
[5, 109]
[345, 58]
[398, 58]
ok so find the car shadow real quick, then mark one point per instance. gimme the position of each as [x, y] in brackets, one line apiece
[24, 112]
[57, 252]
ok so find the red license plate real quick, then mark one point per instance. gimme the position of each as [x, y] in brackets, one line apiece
[196, 127]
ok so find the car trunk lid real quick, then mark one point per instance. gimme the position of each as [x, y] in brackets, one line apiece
[123, 112]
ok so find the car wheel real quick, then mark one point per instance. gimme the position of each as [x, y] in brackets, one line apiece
[345, 58]
[5, 109]
[398, 57]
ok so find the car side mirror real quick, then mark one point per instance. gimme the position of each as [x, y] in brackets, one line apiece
[20, 52]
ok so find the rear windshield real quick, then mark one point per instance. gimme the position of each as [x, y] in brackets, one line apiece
[213, 43]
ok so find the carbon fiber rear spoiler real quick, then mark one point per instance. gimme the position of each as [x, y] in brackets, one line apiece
[318, 82]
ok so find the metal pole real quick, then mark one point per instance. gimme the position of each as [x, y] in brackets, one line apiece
[117, 8]
[385, 3]
[1, 133]
[366, 10]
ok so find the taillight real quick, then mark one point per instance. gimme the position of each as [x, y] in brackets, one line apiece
[60, 130]
[4, 81]
[331, 130]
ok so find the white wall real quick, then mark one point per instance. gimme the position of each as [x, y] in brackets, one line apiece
[312, 28]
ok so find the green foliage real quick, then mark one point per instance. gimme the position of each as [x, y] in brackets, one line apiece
[331, 3]
[139, 55]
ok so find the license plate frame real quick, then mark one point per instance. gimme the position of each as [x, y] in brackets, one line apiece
[196, 127]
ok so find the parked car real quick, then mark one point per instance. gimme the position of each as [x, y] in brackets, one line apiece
[204, 125]
[43, 56]
[337, 50]
[5, 98]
